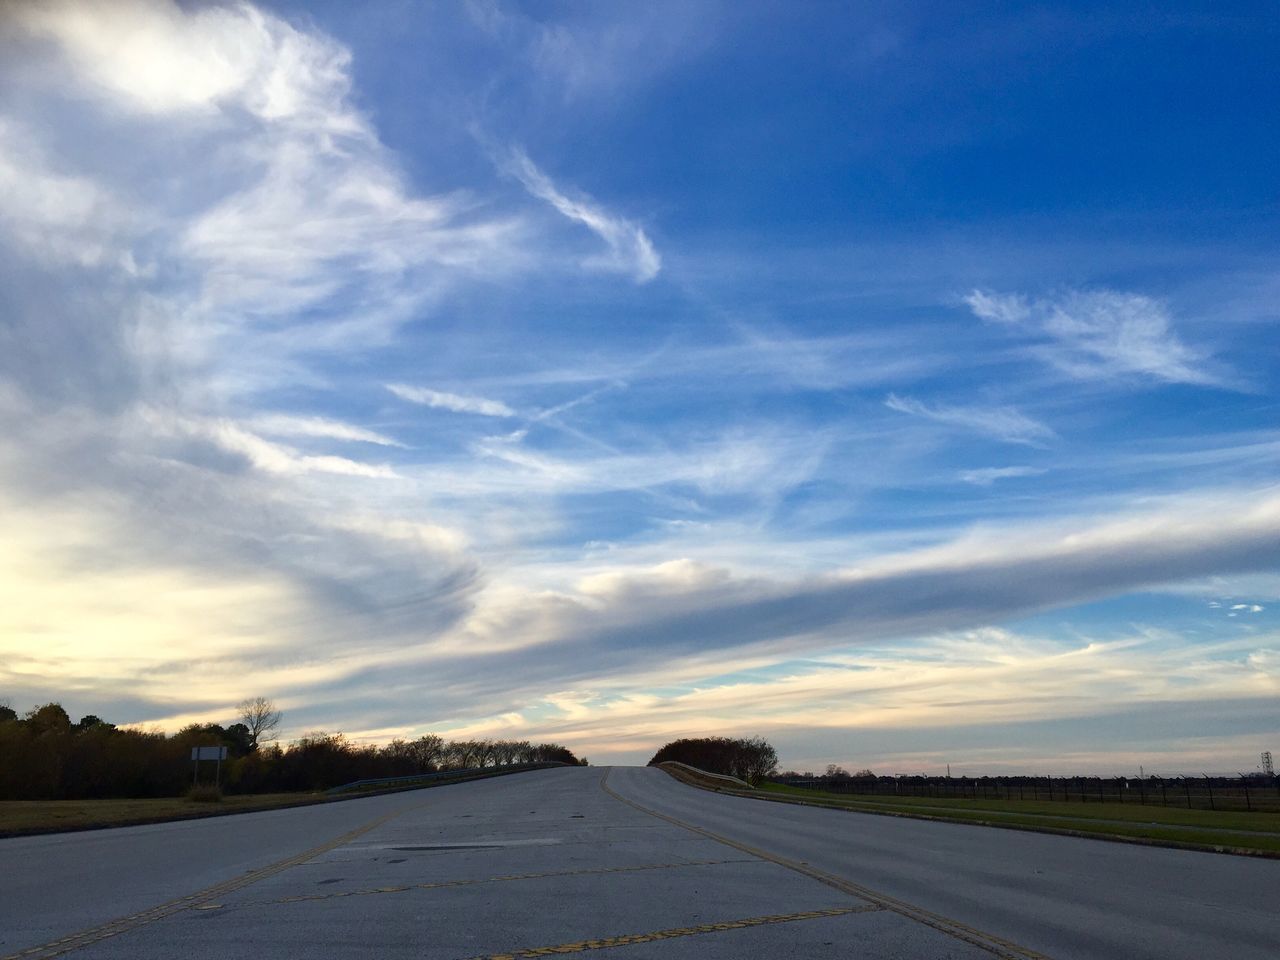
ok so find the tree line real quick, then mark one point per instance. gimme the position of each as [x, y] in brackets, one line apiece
[46, 756]
[751, 759]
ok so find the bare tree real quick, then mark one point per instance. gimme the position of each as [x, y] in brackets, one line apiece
[428, 752]
[759, 760]
[261, 717]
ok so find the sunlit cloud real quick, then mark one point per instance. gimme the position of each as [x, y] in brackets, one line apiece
[287, 425]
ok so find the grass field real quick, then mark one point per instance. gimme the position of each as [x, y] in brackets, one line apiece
[29, 816]
[44, 816]
[1232, 829]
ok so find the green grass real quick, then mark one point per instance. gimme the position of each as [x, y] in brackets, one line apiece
[1166, 824]
[23, 816]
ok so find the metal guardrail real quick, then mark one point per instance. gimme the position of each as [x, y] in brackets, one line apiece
[732, 782]
[455, 774]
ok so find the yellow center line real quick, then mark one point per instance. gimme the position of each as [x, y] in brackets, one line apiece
[1005, 949]
[604, 943]
[56, 948]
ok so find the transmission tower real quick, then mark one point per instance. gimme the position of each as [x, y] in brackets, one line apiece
[1268, 767]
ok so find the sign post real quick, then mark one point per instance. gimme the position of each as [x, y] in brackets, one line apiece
[217, 754]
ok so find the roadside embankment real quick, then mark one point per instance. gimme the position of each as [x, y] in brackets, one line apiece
[1244, 834]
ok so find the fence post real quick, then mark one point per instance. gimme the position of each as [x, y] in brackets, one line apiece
[1209, 783]
[1186, 786]
[1244, 781]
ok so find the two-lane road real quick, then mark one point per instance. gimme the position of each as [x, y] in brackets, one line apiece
[1063, 896]
[625, 861]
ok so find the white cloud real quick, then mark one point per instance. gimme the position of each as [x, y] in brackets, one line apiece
[451, 401]
[985, 476]
[287, 425]
[300, 233]
[154, 56]
[630, 250]
[264, 454]
[1002, 422]
[1100, 334]
[58, 217]
[999, 308]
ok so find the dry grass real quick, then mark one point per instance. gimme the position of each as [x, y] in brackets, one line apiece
[32, 816]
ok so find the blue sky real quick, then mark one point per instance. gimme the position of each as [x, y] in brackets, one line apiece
[896, 382]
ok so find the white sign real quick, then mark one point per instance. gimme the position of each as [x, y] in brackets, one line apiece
[208, 753]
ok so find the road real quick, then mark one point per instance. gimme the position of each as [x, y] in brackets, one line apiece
[623, 861]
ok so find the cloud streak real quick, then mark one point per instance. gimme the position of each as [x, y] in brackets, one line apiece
[1001, 422]
[457, 403]
[986, 476]
[630, 250]
[287, 425]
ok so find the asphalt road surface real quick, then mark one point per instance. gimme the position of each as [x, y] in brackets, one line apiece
[625, 862]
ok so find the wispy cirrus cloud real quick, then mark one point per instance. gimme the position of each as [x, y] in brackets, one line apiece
[593, 53]
[1001, 422]
[1100, 334]
[217, 283]
[265, 455]
[985, 476]
[302, 234]
[290, 425]
[58, 216]
[630, 250]
[456, 402]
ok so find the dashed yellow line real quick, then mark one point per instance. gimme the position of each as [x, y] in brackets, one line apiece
[1005, 949]
[201, 899]
[604, 943]
[444, 884]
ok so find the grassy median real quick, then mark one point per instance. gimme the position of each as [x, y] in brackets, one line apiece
[1257, 832]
